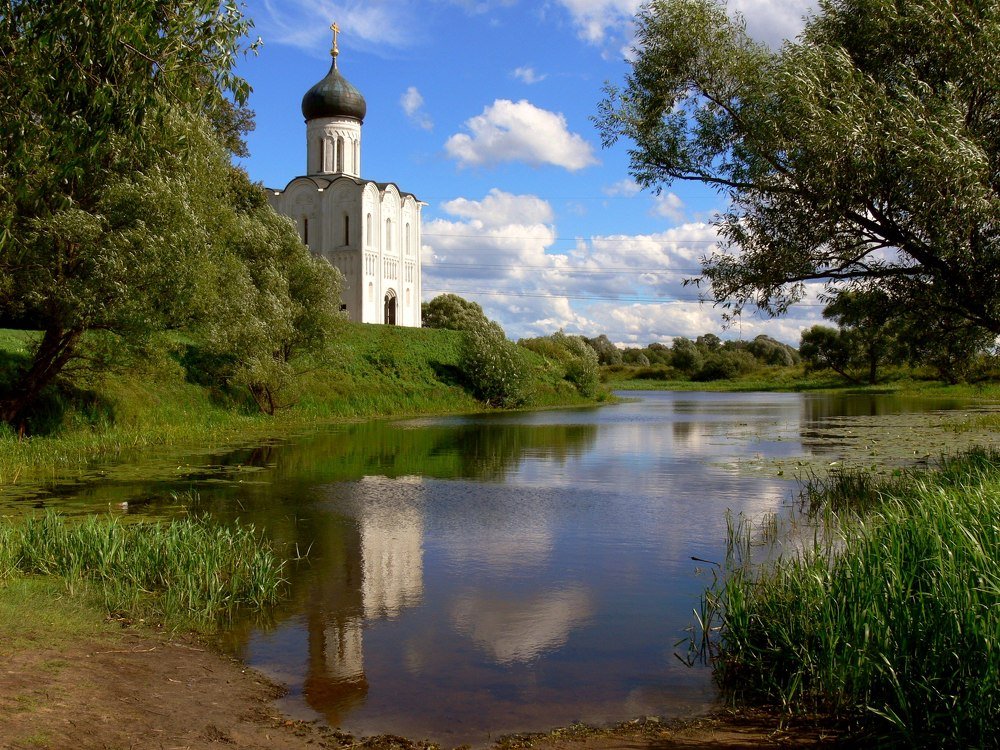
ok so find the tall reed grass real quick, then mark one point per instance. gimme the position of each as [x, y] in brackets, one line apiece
[889, 619]
[185, 570]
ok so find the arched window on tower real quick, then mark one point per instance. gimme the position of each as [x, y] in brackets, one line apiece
[347, 229]
[354, 167]
[340, 155]
[368, 230]
[409, 249]
[388, 235]
[321, 167]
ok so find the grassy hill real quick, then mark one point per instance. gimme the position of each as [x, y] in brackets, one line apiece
[161, 399]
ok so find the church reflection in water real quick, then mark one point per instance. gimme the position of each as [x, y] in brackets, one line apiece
[371, 568]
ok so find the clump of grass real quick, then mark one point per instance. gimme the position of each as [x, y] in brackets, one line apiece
[891, 619]
[185, 570]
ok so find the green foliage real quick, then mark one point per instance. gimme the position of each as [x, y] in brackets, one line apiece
[875, 331]
[607, 352]
[112, 176]
[865, 151]
[725, 365]
[452, 312]
[273, 300]
[184, 569]
[891, 619]
[822, 346]
[575, 354]
[768, 351]
[685, 355]
[493, 366]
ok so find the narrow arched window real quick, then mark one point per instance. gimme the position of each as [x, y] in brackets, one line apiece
[347, 229]
[368, 230]
[388, 235]
[305, 230]
[340, 155]
[321, 167]
[356, 159]
[409, 249]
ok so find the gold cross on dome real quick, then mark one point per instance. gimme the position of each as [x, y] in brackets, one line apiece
[336, 30]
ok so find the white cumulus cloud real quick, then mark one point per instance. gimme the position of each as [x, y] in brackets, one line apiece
[503, 251]
[596, 19]
[520, 131]
[669, 206]
[412, 103]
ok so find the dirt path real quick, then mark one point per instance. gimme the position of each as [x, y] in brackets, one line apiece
[150, 692]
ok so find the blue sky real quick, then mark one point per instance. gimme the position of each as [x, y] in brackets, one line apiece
[483, 110]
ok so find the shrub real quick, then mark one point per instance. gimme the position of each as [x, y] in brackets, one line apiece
[575, 354]
[725, 365]
[493, 366]
[452, 312]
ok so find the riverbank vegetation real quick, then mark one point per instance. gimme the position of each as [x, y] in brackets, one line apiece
[886, 618]
[170, 396]
[186, 571]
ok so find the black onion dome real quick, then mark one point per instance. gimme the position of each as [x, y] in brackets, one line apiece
[334, 96]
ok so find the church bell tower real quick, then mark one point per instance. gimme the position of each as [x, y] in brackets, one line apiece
[333, 110]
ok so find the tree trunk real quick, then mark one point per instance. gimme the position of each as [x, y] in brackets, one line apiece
[57, 347]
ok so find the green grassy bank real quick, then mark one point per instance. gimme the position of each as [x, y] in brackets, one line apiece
[901, 382]
[161, 400]
[888, 618]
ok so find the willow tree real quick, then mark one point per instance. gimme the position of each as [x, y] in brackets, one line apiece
[115, 120]
[863, 154]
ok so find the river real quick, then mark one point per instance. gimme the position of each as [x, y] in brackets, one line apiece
[463, 577]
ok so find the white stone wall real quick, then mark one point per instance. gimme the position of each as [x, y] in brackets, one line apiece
[372, 236]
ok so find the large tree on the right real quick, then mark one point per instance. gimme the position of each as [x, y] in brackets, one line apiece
[864, 153]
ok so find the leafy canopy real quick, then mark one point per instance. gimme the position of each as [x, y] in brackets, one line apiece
[867, 150]
[120, 211]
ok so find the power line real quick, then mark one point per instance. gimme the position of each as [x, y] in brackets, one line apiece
[632, 238]
[566, 269]
[551, 295]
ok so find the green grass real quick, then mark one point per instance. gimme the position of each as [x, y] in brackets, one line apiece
[370, 371]
[794, 379]
[889, 618]
[39, 609]
[189, 572]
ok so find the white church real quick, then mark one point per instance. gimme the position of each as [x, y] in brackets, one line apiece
[369, 230]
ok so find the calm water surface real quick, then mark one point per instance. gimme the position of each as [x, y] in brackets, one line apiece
[470, 576]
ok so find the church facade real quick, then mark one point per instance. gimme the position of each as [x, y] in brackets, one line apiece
[368, 230]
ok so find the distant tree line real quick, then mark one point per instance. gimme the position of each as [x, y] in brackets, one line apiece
[705, 358]
[874, 332]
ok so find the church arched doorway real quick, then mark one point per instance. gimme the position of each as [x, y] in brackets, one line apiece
[390, 308]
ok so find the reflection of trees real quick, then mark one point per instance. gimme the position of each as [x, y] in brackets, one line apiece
[821, 408]
[477, 449]
[468, 450]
